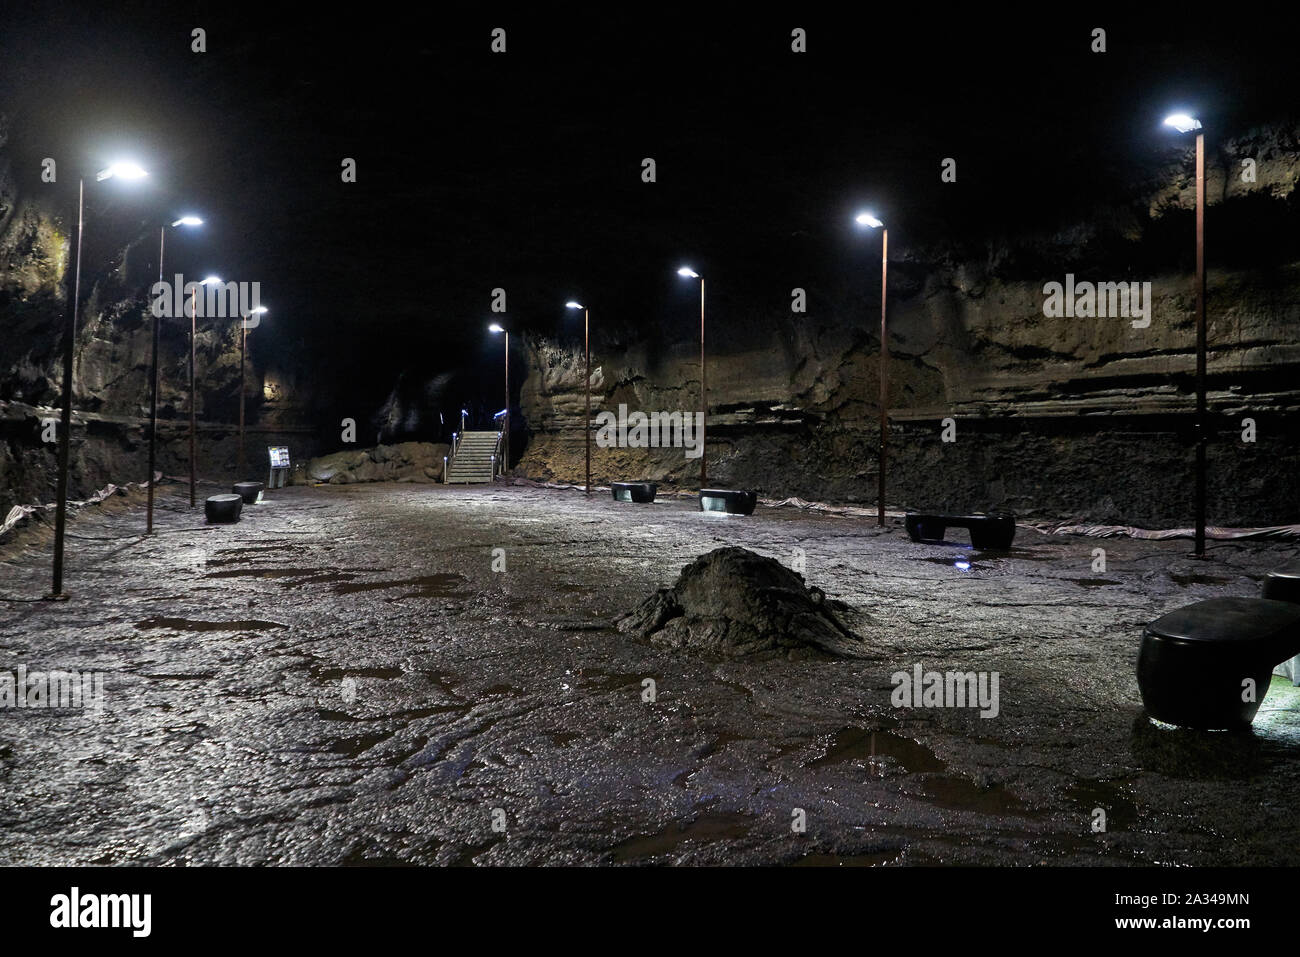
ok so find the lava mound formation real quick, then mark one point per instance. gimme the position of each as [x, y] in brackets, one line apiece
[734, 603]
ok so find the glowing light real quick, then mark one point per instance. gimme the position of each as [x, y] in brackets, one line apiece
[210, 281]
[1182, 122]
[688, 272]
[573, 305]
[122, 171]
[188, 221]
[495, 328]
[866, 219]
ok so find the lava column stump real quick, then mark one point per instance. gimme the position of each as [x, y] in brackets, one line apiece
[641, 493]
[991, 532]
[731, 501]
[248, 491]
[1195, 662]
[223, 509]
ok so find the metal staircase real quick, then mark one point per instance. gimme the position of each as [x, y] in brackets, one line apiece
[474, 458]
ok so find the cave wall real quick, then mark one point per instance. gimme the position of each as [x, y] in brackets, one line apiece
[1084, 417]
[109, 441]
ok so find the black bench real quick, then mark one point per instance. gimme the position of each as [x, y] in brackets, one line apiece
[248, 491]
[1283, 584]
[994, 532]
[223, 508]
[638, 492]
[731, 501]
[1195, 661]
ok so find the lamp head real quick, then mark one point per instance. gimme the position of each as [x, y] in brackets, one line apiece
[123, 170]
[866, 219]
[688, 272]
[495, 328]
[188, 221]
[210, 281]
[573, 305]
[1182, 122]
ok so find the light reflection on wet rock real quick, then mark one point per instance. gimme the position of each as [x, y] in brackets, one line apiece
[343, 678]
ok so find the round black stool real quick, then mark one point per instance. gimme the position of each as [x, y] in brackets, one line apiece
[639, 492]
[1283, 584]
[223, 508]
[1194, 661]
[248, 491]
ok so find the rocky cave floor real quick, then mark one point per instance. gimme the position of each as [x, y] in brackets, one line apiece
[342, 678]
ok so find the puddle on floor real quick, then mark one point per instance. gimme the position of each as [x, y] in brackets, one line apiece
[1186, 580]
[1110, 796]
[359, 744]
[1023, 554]
[954, 793]
[321, 579]
[251, 549]
[259, 572]
[337, 674]
[706, 829]
[426, 586]
[967, 560]
[849, 860]
[411, 714]
[609, 680]
[882, 748]
[192, 676]
[188, 624]
[961, 563]
[872, 746]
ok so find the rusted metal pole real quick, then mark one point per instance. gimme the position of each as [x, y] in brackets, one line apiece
[65, 420]
[884, 379]
[153, 392]
[586, 337]
[243, 349]
[1202, 426]
[505, 422]
[193, 414]
[704, 398]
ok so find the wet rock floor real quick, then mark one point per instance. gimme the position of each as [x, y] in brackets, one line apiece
[343, 678]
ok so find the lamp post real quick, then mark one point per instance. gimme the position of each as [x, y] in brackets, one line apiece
[153, 372]
[505, 421]
[127, 171]
[1187, 124]
[586, 344]
[193, 404]
[256, 315]
[689, 273]
[866, 219]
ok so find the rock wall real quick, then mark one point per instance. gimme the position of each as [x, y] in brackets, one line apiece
[109, 441]
[1053, 416]
[420, 462]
